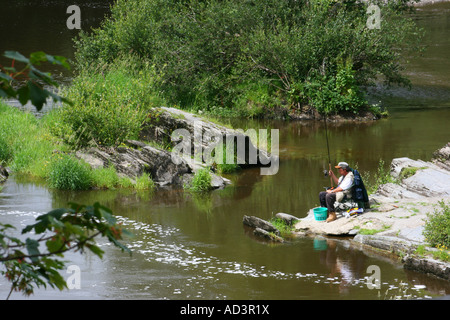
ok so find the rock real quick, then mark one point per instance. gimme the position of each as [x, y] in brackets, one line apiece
[139, 158]
[441, 157]
[287, 218]
[203, 136]
[133, 162]
[3, 174]
[387, 243]
[428, 265]
[266, 234]
[395, 191]
[256, 222]
[425, 179]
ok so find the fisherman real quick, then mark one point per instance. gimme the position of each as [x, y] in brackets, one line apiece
[343, 189]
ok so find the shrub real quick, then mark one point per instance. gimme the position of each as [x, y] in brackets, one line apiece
[109, 106]
[145, 182]
[336, 93]
[105, 178]
[68, 173]
[201, 181]
[25, 142]
[437, 227]
[211, 54]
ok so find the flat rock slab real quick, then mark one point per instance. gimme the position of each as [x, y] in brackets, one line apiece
[340, 227]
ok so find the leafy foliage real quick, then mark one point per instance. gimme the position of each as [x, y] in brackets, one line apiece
[68, 173]
[108, 108]
[201, 181]
[216, 53]
[35, 262]
[34, 79]
[437, 227]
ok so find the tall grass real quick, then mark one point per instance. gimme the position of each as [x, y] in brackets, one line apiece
[201, 181]
[28, 146]
[109, 105]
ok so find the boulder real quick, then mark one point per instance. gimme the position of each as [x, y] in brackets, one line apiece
[3, 174]
[203, 136]
[138, 158]
[423, 179]
[441, 157]
[287, 218]
[266, 234]
[256, 222]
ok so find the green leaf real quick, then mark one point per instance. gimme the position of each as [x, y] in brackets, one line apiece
[54, 245]
[96, 250]
[4, 76]
[16, 56]
[38, 96]
[38, 57]
[33, 248]
[23, 95]
[58, 60]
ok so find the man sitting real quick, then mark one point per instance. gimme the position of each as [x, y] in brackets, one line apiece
[343, 189]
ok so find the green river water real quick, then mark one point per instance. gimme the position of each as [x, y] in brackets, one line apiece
[196, 247]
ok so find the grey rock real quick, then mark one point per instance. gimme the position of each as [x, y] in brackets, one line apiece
[256, 222]
[203, 137]
[287, 218]
[265, 234]
[441, 157]
[3, 174]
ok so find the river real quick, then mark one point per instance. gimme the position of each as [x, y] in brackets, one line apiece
[196, 247]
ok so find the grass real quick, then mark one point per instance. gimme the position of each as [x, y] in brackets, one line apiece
[441, 253]
[364, 231]
[408, 172]
[145, 182]
[437, 227]
[68, 173]
[28, 146]
[382, 176]
[285, 229]
[201, 181]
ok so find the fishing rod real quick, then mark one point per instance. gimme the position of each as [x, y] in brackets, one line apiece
[328, 149]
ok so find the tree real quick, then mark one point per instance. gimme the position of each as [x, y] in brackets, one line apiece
[227, 52]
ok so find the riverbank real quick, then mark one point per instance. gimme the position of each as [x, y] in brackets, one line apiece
[395, 222]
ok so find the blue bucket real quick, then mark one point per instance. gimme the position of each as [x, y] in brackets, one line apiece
[320, 213]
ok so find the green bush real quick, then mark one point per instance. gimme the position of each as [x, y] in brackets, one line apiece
[26, 145]
[437, 227]
[337, 93]
[68, 173]
[201, 181]
[108, 107]
[145, 182]
[105, 178]
[211, 54]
